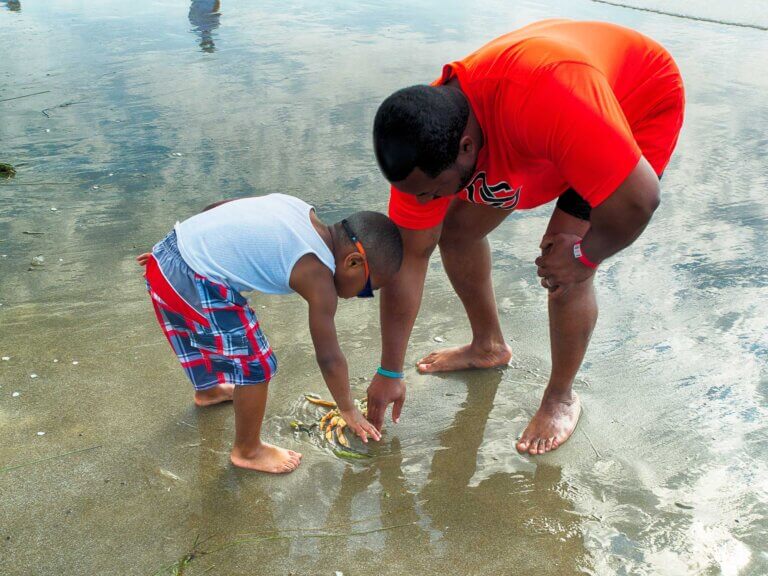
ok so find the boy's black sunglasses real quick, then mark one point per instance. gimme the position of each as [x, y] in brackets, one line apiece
[366, 292]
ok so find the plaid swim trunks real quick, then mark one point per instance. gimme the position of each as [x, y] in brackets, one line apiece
[209, 325]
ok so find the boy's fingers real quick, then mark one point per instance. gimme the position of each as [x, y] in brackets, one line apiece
[374, 433]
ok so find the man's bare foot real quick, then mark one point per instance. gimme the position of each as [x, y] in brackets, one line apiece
[464, 358]
[266, 458]
[216, 395]
[553, 424]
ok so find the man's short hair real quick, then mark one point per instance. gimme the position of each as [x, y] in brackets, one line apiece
[419, 127]
[381, 240]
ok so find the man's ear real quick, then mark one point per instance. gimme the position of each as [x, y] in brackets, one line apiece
[466, 144]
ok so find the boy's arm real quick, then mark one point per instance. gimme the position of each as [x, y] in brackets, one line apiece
[313, 281]
[219, 203]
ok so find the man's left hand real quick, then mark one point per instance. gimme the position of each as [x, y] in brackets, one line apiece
[558, 269]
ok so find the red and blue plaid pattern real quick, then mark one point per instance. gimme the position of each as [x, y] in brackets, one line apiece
[231, 348]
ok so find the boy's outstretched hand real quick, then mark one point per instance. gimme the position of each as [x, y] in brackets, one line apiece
[359, 425]
[143, 258]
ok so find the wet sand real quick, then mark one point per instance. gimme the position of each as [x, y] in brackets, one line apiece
[154, 111]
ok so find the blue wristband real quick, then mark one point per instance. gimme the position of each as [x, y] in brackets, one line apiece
[389, 373]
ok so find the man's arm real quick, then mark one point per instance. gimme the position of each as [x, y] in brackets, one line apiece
[623, 216]
[312, 280]
[400, 302]
[614, 225]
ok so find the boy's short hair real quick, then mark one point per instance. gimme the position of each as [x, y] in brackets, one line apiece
[381, 240]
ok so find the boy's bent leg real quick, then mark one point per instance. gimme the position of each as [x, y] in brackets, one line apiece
[214, 395]
[249, 451]
[208, 389]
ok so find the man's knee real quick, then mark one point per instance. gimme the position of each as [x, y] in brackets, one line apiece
[450, 239]
[582, 292]
[468, 224]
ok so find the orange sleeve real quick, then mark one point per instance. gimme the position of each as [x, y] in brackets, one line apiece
[572, 118]
[406, 212]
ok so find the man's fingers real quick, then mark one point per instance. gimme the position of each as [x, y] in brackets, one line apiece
[397, 407]
[547, 241]
[375, 415]
[559, 290]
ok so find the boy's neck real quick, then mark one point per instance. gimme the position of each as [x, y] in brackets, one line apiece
[324, 231]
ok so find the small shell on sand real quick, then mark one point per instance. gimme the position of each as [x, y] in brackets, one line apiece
[169, 474]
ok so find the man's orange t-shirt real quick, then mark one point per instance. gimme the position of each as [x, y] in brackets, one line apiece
[561, 104]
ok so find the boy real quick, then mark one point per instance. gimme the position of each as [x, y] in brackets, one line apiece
[274, 244]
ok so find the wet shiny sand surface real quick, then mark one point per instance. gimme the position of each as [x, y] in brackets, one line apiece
[125, 117]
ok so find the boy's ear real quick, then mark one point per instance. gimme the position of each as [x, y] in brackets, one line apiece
[353, 260]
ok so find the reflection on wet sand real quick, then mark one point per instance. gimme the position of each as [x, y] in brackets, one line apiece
[399, 509]
[677, 399]
[204, 15]
[503, 515]
[12, 5]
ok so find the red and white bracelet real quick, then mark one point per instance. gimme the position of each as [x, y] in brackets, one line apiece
[581, 257]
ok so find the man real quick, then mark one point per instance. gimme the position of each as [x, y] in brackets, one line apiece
[587, 113]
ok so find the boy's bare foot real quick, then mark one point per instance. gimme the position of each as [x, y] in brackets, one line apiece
[266, 458]
[465, 357]
[553, 424]
[216, 395]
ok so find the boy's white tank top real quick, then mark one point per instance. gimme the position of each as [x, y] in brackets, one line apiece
[252, 243]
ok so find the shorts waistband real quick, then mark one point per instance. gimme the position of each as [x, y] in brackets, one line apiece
[170, 244]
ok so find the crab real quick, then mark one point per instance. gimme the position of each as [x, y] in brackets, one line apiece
[331, 425]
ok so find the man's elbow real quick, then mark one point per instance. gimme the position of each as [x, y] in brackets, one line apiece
[645, 204]
[653, 200]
